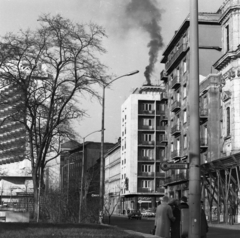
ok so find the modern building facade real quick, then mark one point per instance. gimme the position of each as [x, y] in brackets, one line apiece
[15, 169]
[219, 106]
[142, 148]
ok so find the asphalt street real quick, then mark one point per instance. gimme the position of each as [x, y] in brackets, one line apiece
[145, 225]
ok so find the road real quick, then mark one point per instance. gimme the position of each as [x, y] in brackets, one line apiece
[145, 225]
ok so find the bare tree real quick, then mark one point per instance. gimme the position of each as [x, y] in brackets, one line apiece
[50, 67]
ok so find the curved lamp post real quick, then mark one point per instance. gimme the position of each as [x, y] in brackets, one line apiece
[83, 174]
[101, 191]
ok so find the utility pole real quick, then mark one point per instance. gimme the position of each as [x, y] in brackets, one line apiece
[194, 158]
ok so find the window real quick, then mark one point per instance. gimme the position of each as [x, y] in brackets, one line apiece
[146, 183]
[185, 91]
[147, 122]
[184, 66]
[147, 137]
[228, 121]
[146, 168]
[185, 141]
[178, 144]
[147, 152]
[147, 106]
[227, 38]
[184, 116]
[177, 73]
[172, 147]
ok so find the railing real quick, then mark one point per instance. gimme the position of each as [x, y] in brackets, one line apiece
[175, 129]
[175, 153]
[203, 112]
[161, 128]
[181, 49]
[146, 174]
[163, 139]
[203, 142]
[163, 96]
[148, 112]
[146, 143]
[145, 190]
[160, 175]
[143, 127]
[163, 75]
[145, 158]
[175, 82]
[160, 190]
[175, 106]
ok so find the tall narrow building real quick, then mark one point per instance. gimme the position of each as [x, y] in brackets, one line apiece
[142, 148]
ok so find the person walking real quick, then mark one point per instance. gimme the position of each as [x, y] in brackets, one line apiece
[162, 219]
[204, 224]
[175, 225]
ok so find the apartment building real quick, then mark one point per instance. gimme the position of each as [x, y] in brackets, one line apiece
[142, 148]
[219, 108]
[15, 169]
[112, 188]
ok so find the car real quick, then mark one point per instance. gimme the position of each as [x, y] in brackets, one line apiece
[135, 214]
[148, 213]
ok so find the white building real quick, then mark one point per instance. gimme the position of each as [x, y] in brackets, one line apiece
[142, 148]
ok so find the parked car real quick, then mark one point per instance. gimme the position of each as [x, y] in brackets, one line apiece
[148, 213]
[135, 214]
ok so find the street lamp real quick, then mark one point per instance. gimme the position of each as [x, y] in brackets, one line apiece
[82, 174]
[101, 192]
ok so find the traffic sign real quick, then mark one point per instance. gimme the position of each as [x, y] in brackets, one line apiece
[166, 166]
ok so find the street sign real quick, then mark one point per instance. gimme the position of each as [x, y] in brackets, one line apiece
[166, 166]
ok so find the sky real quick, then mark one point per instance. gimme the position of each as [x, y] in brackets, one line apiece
[127, 44]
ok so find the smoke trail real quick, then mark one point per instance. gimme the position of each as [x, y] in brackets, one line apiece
[144, 13]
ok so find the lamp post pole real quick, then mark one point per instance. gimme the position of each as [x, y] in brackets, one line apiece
[101, 189]
[194, 158]
[82, 175]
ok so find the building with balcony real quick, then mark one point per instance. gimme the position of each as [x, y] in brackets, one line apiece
[15, 168]
[143, 142]
[219, 107]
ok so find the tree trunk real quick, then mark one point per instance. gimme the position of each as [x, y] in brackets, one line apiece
[35, 193]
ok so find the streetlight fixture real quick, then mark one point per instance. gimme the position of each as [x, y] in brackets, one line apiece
[82, 174]
[101, 192]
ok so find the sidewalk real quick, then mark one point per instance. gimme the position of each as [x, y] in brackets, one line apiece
[141, 234]
[225, 226]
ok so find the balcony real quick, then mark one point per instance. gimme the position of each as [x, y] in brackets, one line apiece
[203, 115]
[176, 178]
[203, 144]
[175, 130]
[160, 144]
[160, 175]
[147, 112]
[151, 143]
[179, 53]
[161, 128]
[164, 119]
[175, 154]
[147, 128]
[146, 174]
[176, 106]
[163, 97]
[160, 190]
[176, 82]
[145, 190]
[164, 139]
[163, 75]
[146, 158]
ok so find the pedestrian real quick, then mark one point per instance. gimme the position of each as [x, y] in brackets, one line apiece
[175, 225]
[204, 224]
[162, 219]
[183, 202]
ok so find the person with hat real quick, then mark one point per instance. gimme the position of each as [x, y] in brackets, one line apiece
[162, 219]
[183, 203]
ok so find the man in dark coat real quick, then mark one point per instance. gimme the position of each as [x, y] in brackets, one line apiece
[175, 225]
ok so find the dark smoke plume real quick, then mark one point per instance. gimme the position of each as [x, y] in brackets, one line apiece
[144, 13]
